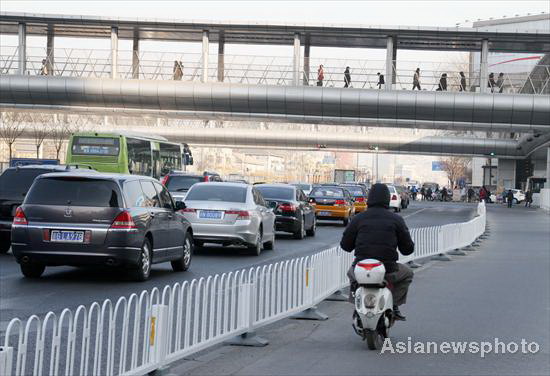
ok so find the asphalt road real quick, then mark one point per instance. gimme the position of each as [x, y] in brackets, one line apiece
[501, 292]
[68, 287]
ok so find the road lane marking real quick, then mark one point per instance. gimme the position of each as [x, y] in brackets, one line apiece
[416, 212]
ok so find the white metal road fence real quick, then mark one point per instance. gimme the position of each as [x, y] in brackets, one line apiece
[144, 332]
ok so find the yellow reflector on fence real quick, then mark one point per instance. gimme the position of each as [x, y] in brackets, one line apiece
[152, 335]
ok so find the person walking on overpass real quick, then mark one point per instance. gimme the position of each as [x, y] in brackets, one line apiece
[442, 83]
[416, 79]
[320, 75]
[380, 80]
[528, 199]
[347, 78]
[500, 82]
[462, 82]
[510, 198]
[491, 82]
[378, 233]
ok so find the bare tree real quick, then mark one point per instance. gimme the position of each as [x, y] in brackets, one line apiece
[40, 129]
[11, 128]
[456, 168]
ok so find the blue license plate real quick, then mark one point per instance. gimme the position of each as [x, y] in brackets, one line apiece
[67, 236]
[210, 214]
[324, 213]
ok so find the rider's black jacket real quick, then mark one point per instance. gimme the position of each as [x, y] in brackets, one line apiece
[377, 232]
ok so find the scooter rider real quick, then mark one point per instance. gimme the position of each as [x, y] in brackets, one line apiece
[376, 233]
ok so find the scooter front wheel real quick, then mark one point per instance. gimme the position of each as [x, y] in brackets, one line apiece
[375, 339]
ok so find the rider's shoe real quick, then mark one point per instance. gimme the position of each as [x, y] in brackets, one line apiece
[398, 315]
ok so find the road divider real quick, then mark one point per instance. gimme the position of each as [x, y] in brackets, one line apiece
[142, 333]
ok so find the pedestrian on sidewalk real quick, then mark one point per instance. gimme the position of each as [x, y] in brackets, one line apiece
[510, 198]
[416, 79]
[422, 194]
[528, 199]
[471, 194]
[347, 78]
[462, 82]
[380, 80]
[320, 75]
[483, 194]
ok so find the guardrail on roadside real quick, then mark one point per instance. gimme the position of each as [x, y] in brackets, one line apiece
[145, 332]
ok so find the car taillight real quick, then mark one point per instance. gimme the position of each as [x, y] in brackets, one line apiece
[368, 266]
[189, 210]
[359, 199]
[394, 197]
[165, 180]
[206, 178]
[339, 202]
[20, 218]
[123, 221]
[241, 214]
[286, 207]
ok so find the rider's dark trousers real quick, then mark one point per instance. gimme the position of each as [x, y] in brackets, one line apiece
[401, 279]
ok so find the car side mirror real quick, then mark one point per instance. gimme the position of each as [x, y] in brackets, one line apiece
[180, 205]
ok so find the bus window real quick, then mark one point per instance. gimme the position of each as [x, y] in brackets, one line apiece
[170, 158]
[139, 156]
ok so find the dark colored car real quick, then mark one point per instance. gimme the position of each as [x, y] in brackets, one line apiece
[293, 211]
[14, 185]
[80, 218]
[178, 183]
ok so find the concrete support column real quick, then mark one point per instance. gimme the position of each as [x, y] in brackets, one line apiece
[484, 66]
[22, 48]
[205, 43]
[307, 68]
[114, 52]
[50, 59]
[135, 55]
[221, 56]
[506, 174]
[391, 55]
[547, 185]
[296, 60]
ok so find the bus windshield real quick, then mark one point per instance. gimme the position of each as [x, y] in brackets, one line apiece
[108, 146]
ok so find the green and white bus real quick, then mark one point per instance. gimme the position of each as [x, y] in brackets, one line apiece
[127, 153]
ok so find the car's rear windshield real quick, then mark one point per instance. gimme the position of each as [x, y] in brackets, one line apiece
[327, 192]
[277, 193]
[355, 190]
[216, 192]
[75, 192]
[303, 187]
[16, 182]
[182, 183]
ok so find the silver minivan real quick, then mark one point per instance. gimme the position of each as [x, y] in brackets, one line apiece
[230, 214]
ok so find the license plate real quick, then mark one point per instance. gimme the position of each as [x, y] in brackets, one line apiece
[210, 214]
[67, 236]
[325, 213]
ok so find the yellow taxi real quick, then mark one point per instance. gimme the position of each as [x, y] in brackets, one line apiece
[332, 203]
[360, 196]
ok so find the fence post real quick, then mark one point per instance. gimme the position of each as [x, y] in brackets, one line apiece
[6, 359]
[158, 334]
[249, 304]
[311, 313]
[441, 245]
[338, 295]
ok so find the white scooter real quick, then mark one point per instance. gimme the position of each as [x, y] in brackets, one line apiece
[373, 316]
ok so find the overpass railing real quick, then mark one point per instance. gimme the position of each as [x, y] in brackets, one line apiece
[141, 333]
[267, 70]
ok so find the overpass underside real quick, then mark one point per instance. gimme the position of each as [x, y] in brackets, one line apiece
[451, 111]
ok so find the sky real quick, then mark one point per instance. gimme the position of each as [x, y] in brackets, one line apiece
[387, 12]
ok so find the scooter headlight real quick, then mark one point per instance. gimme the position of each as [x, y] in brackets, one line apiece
[370, 301]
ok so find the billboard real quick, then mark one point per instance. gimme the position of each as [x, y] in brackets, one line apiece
[437, 166]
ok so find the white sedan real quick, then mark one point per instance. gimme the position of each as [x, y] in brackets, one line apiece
[395, 198]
